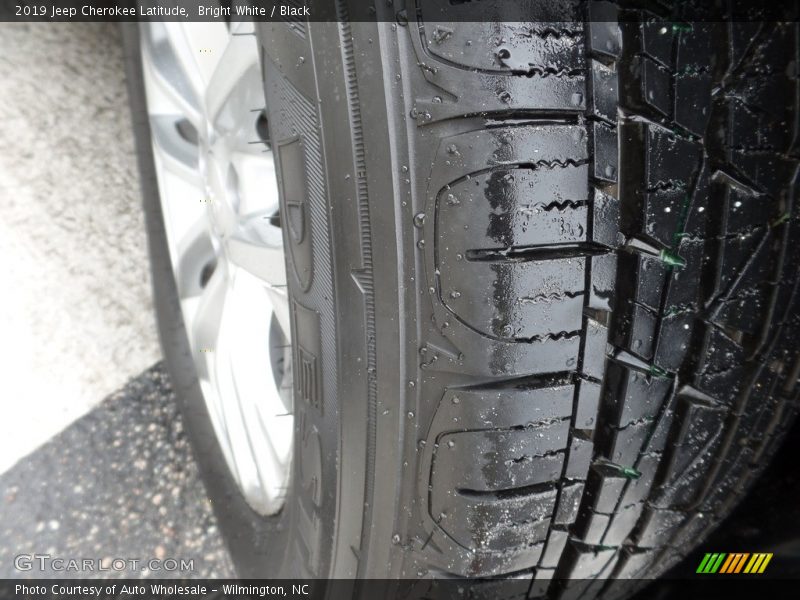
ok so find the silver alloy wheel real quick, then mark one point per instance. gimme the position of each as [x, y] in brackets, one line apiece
[219, 197]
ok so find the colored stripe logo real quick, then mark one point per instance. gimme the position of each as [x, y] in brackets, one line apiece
[736, 562]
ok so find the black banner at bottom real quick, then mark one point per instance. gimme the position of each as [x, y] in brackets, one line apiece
[702, 587]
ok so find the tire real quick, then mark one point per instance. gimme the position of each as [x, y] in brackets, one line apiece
[543, 292]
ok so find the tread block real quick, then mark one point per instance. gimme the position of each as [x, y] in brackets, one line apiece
[449, 41]
[512, 242]
[690, 115]
[673, 340]
[745, 311]
[536, 146]
[583, 563]
[626, 443]
[686, 282]
[556, 542]
[637, 490]
[603, 271]
[698, 438]
[605, 219]
[498, 524]
[501, 459]
[695, 48]
[633, 395]
[724, 385]
[655, 525]
[593, 528]
[604, 91]
[605, 491]
[517, 300]
[744, 263]
[664, 211]
[513, 404]
[604, 140]
[495, 489]
[637, 333]
[698, 214]
[634, 563]
[759, 420]
[517, 207]
[656, 41]
[594, 351]
[580, 457]
[622, 524]
[700, 424]
[588, 401]
[737, 470]
[534, 61]
[662, 428]
[604, 35]
[693, 80]
[694, 528]
[569, 503]
[744, 126]
[669, 158]
[767, 109]
[656, 84]
[768, 171]
[720, 352]
[447, 555]
[746, 211]
[649, 274]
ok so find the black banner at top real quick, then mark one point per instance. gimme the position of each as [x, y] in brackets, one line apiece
[554, 11]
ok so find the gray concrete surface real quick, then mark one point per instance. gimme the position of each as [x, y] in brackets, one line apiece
[120, 482]
[75, 310]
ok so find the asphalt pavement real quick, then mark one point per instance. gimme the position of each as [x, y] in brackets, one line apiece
[119, 483]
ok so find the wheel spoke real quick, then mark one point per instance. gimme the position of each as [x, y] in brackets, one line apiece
[230, 406]
[266, 264]
[280, 304]
[269, 467]
[172, 79]
[234, 90]
[194, 254]
[178, 154]
[247, 385]
[278, 463]
[207, 322]
[260, 260]
[258, 183]
[182, 196]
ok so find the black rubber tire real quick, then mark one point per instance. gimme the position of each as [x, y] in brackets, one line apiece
[554, 264]
[543, 288]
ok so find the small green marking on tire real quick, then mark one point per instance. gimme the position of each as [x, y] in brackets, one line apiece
[672, 259]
